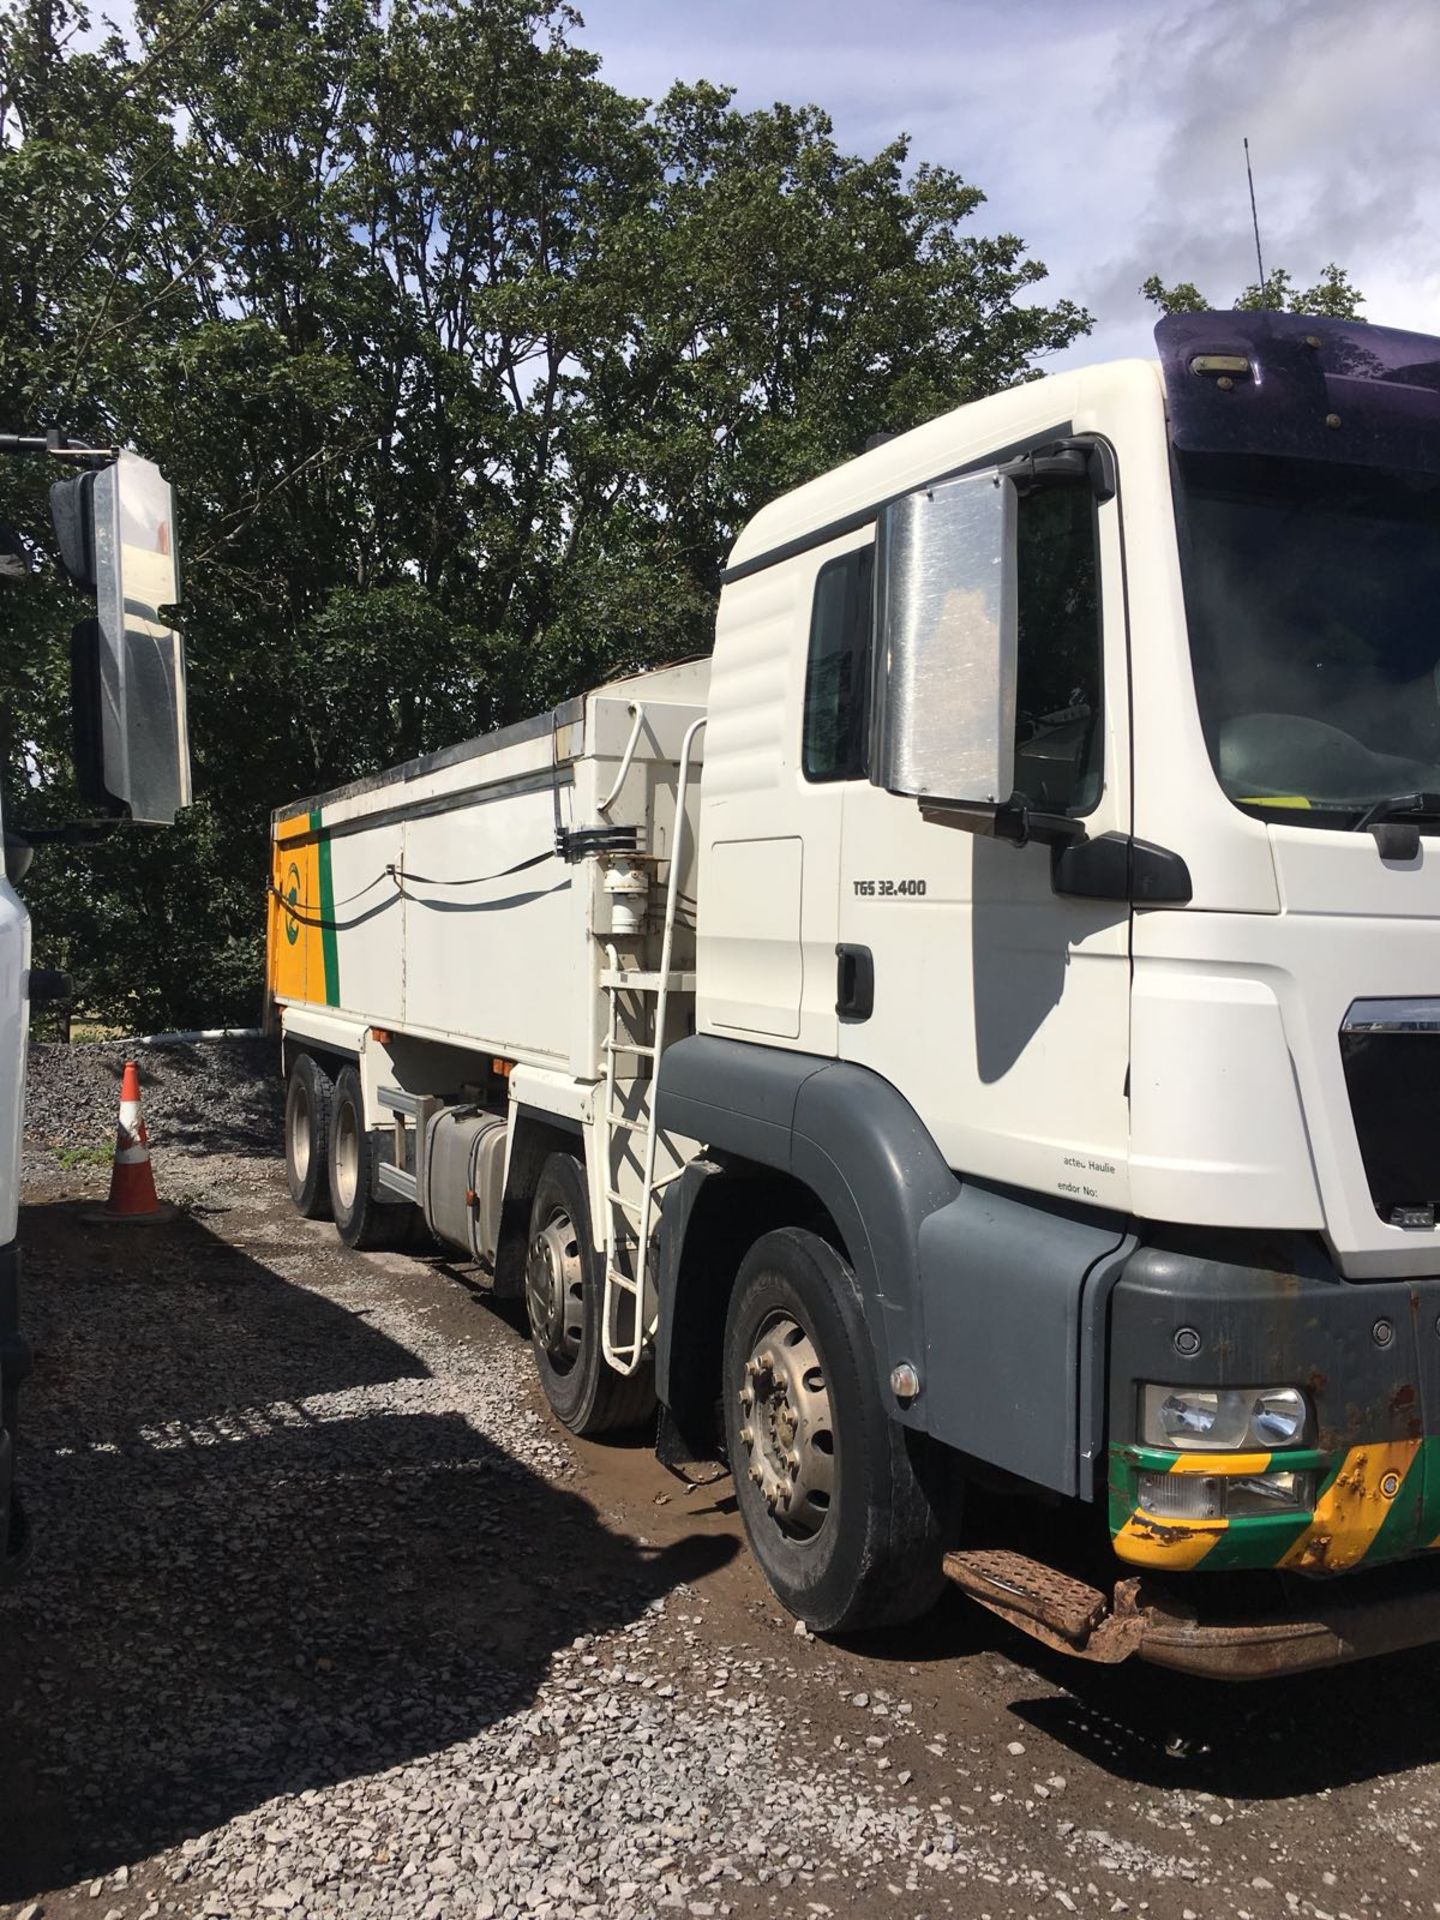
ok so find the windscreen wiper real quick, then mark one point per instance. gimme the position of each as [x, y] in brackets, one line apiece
[1399, 806]
[1395, 823]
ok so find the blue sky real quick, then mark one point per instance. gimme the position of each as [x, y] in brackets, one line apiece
[1109, 136]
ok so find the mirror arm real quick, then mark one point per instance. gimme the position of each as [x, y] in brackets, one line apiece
[1066, 463]
[70, 833]
[1015, 821]
[1112, 866]
[969, 816]
[54, 443]
[1021, 824]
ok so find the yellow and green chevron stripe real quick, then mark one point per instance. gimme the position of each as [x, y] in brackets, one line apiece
[1374, 1501]
[304, 963]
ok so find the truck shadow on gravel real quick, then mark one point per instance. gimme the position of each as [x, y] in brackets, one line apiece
[1257, 1740]
[261, 1565]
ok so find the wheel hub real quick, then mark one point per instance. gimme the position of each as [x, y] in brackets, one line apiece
[786, 1431]
[347, 1157]
[554, 1289]
[300, 1133]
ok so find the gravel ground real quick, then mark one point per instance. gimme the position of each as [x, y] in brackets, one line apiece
[327, 1618]
[199, 1101]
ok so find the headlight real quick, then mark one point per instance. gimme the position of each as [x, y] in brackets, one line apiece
[1279, 1416]
[1223, 1419]
[1217, 1496]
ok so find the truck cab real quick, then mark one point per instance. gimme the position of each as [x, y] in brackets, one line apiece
[1070, 785]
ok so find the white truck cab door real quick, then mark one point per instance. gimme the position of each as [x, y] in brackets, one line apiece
[774, 799]
[998, 1007]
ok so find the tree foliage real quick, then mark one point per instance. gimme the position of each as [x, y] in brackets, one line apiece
[1333, 294]
[466, 369]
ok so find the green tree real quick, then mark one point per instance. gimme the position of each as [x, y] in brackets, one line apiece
[1333, 294]
[467, 370]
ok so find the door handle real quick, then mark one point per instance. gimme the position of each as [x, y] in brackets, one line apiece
[854, 983]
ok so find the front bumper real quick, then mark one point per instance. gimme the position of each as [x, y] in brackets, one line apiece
[1249, 1627]
[1245, 1313]
[1348, 1620]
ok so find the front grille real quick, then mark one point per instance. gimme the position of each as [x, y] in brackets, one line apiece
[1391, 1054]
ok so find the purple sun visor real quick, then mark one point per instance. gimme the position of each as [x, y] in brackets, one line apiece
[1302, 387]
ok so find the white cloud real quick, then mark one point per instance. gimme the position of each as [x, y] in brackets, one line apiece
[1108, 134]
[1336, 102]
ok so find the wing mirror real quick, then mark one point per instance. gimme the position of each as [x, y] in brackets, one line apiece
[943, 697]
[116, 532]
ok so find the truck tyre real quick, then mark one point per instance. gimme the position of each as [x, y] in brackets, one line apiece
[838, 1516]
[564, 1300]
[308, 1095]
[362, 1219]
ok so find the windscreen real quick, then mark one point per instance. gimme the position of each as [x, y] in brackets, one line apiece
[1312, 592]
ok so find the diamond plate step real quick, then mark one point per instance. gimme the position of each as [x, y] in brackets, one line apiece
[1013, 1583]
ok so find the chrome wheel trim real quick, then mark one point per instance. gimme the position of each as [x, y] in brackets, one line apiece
[787, 1429]
[302, 1141]
[347, 1156]
[555, 1290]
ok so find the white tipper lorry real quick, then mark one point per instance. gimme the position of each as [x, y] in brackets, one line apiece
[114, 524]
[969, 1046]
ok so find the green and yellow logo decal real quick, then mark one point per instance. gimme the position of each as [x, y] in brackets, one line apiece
[304, 950]
[292, 898]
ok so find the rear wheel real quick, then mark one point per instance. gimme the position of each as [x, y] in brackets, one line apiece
[564, 1281]
[362, 1219]
[830, 1488]
[308, 1097]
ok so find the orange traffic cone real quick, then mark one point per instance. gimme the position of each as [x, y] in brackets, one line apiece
[133, 1200]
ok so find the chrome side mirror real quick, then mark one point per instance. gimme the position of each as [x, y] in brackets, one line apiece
[943, 694]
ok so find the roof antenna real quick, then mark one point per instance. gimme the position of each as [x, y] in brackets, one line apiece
[1254, 216]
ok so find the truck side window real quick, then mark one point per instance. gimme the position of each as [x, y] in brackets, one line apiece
[1059, 745]
[837, 675]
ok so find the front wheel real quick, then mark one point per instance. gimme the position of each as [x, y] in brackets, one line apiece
[846, 1527]
[564, 1282]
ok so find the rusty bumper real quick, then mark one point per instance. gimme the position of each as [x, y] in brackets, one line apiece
[1324, 1635]
[1333, 1622]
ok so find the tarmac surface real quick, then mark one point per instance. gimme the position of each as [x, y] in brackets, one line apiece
[326, 1616]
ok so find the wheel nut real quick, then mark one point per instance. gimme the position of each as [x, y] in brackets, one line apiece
[747, 1437]
[766, 1362]
[747, 1398]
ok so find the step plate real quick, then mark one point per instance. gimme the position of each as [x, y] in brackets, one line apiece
[1013, 1583]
